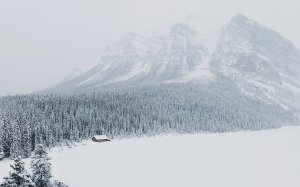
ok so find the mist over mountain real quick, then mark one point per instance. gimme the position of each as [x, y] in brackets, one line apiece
[232, 77]
[114, 93]
[260, 61]
[76, 72]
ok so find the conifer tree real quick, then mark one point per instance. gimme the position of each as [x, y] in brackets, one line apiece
[2, 155]
[15, 149]
[18, 177]
[41, 167]
[26, 141]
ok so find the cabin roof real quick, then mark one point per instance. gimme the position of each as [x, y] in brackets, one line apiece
[100, 137]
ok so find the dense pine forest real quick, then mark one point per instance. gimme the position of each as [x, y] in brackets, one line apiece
[51, 120]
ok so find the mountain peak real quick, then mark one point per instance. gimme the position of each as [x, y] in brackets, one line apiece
[182, 30]
[240, 19]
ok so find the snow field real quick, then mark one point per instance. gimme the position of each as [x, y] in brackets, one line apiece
[262, 159]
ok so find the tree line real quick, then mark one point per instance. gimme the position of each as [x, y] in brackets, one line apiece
[55, 119]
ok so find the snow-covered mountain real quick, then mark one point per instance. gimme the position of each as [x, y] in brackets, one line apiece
[260, 61]
[178, 55]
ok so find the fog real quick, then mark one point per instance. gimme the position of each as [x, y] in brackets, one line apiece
[42, 41]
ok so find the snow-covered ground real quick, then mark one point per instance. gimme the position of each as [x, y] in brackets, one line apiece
[268, 158]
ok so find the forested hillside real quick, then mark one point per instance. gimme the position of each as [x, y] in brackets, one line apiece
[28, 120]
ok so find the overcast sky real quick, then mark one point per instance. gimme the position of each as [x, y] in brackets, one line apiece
[42, 41]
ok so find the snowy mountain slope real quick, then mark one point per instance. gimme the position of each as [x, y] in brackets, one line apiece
[208, 30]
[261, 61]
[261, 158]
[178, 56]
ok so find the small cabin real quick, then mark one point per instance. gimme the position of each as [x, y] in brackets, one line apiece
[100, 138]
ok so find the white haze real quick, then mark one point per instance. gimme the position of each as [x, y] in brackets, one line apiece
[42, 41]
